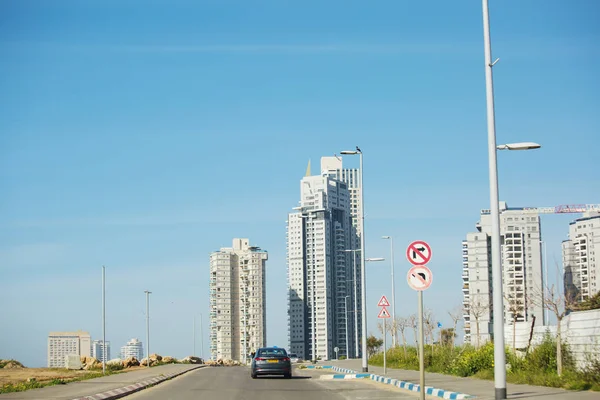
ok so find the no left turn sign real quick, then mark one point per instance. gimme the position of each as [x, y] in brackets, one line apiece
[419, 278]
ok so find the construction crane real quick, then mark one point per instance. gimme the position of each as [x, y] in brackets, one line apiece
[563, 209]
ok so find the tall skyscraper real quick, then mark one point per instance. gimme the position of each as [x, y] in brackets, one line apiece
[61, 344]
[580, 262]
[237, 301]
[133, 348]
[321, 301]
[98, 350]
[521, 266]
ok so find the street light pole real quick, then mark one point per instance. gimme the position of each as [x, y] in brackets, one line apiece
[363, 278]
[147, 327]
[103, 320]
[346, 319]
[498, 300]
[201, 339]
[393, 290]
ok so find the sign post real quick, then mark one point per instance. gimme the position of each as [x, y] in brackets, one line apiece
[419, 278]
[384, 314]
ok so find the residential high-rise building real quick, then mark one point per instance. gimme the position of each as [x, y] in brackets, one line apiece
[98, 350]
[133, 348]
[237, 301]
[61, 344]
[321, 282]
[581, 261]
[521, 272]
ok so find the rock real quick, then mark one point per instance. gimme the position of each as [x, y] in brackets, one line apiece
[73, 362]
[155, 357]
[168, 359]
[114, 361]
[130, 362]
[12, 364]
[195, 360]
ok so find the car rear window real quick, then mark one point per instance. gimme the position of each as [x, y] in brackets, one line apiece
[272, 352]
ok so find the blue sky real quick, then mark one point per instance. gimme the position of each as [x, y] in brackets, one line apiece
[142, 135]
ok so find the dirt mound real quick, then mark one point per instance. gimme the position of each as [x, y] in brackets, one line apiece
[10, 364]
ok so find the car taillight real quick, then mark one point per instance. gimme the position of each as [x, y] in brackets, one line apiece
[260, 359]
[286, 359]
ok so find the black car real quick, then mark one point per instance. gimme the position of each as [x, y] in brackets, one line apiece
[271, 361]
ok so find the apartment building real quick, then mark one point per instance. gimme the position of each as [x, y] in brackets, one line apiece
[581, 257]
[237, 301]
[61, 344]
[320, 237]
[133, 348]
[98, 350]
[522, 272]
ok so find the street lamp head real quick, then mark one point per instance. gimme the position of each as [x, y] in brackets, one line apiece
[386, 237]
[375, 259]
[519, 146]
[348, 152]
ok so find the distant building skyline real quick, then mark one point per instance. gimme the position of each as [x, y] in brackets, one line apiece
[320, 233]
[237, 300]
[61, 344]
[133, 348]
[522, 276]
[580, 254]
[98, 351]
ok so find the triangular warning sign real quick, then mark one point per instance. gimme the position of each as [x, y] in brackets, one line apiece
[384, 313]
[383, 302]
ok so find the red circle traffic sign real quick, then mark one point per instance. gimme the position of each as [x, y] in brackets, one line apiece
[419, 277]
[418, 253]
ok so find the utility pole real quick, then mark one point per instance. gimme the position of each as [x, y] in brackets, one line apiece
[147, 327]
[103, 320]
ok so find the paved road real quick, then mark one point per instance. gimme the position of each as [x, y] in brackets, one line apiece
[234, 383]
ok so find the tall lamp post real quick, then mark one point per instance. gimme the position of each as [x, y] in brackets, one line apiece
[393, 290]
[147, 327]
[363, 280]
[498, 299]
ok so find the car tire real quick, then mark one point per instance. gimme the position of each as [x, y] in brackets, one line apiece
[288, 376]
[253, 376]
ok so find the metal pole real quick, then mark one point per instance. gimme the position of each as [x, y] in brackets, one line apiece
[357, 351]
[346, 317]
[194, 335]
[363, 281]
[421, 349]
[393, 295]
[201, 339]
[103, 320]
[147, 327]
[544, 292]
[384, 346]
[498, 300]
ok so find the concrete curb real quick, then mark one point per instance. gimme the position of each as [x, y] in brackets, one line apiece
[349, 374]
[345, 376]
[136, 387]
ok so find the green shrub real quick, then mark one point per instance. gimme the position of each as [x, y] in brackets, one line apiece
[114, 367]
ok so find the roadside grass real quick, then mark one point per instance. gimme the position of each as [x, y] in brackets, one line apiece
[35, 384]
[538, 367]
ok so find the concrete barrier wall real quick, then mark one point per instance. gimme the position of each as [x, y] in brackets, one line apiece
[581, 330]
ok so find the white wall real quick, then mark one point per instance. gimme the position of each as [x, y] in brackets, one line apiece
[581, 330]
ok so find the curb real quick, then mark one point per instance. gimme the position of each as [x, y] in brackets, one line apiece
[345, 376]
[349, 374]
[136, 387]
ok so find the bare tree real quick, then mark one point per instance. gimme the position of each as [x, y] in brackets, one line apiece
[412, 322]
[456, 314]
[477, 309]
[402, 323]
[515, 306]
[428, 321]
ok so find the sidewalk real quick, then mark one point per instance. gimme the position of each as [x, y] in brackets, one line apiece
[90, 387]
[481, 389]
